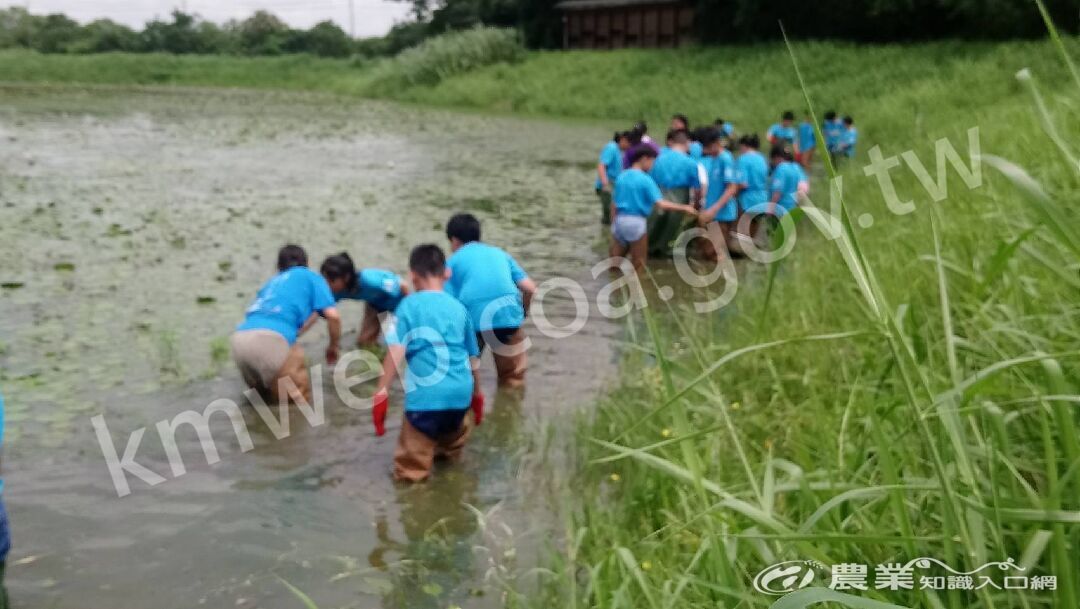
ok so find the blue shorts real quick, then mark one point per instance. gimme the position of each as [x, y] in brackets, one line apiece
[436, 424]
[627, 229]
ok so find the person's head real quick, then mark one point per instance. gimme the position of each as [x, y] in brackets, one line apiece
[290, 256]
[622, 138]
[749, 141]
[641, 128]
[719, 123]
[462, 229]
[678, 140]
[679, 122]
[848, 121]
[340, 272]
[710, 141]
[830, 115]
[427, 267]
[780, 154]
[642, 157]
[787, 118]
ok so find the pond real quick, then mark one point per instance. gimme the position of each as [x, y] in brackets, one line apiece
[138, 224]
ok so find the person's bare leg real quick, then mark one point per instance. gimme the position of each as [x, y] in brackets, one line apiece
[512, 364]
[293, 378]
[369, 328]
[639, 253]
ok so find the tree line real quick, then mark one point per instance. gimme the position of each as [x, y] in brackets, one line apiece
[716, 22]
[182, 33]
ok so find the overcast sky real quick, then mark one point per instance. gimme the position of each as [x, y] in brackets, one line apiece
[373, 17]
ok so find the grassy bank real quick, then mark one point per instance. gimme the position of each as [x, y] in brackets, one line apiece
[905, 390]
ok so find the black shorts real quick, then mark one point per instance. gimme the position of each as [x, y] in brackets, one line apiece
[501, 334]
[436, 423]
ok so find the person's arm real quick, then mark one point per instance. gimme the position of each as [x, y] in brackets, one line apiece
[605, 182]
[669, 206]
[710, 215]
[528, 288]
[333, 327]
[307, 324]
[771, 209]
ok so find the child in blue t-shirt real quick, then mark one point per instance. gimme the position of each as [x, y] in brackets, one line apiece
[497, 293]
[636, 194]
[264, 345]
[807, 143]
[380, 291]
[783, 133]
[720, 204]
[833, 129]
[434, 336]
[607, 170]
[5, 531]
[849, 138]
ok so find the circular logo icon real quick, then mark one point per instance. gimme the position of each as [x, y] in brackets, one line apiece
[785, 577]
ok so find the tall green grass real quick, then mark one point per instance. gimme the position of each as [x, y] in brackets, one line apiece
[442, 57]
[911, 392]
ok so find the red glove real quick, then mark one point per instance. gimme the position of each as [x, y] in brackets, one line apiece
[477, 406]
[380, 403]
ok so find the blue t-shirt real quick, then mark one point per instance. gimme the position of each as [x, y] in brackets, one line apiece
[439, 339]
[484, 278]
[834, 134]
[753, 175]
[377, 287]
[850, 138]
[721, 173]
[785, 180]
[674, 169]
[807, 137]
[727, 129]
[611, 158]
[697, 151]
[781, 133]
[286, 301]
[636, 193]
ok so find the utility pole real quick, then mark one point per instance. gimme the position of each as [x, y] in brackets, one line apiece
[352, 19]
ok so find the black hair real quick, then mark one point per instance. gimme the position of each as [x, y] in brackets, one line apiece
[719, 122]
[848, 120]
[788, 116]
[830, 115]
[290, 256]
[678, 136]
[340, 266]
[782, 152]
[427, 260]
[635, 136]
[463, 227]
[681, 118]
[750, 140]
[707, 136]
[641, 151]
[622, 134]
[641, 127]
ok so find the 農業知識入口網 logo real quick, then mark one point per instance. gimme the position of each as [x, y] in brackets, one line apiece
[919, 574]
[785, 577]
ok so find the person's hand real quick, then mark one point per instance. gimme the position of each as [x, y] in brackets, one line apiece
[332, 353]
[690, 211]
[379, 404]
[477, 407]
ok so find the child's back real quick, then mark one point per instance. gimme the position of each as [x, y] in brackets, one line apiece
[438, 337]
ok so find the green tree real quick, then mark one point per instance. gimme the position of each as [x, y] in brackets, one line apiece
[103, 36]
[324, 39]
[262, 34]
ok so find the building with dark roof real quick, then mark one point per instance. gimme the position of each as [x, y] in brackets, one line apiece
[617, 24]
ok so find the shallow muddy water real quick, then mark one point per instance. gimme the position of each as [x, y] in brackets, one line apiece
[136, 227]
